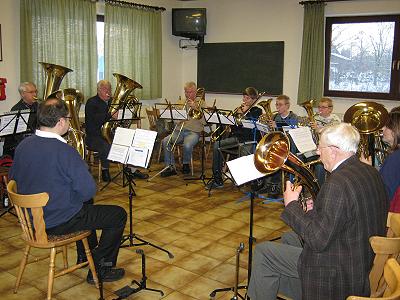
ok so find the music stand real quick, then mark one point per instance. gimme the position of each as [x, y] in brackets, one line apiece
[126, 114]
[11, 123]
[172, 113]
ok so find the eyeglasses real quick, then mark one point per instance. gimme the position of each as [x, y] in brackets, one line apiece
[324, 107]
[319, 148]
[31, 92]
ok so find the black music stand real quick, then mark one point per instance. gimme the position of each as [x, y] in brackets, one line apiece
[172, 114]
[11, 123]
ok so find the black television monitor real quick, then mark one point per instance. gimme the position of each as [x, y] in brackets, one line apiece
[189, 22]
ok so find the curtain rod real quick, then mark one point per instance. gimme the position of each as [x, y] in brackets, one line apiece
[132, 4]
[319, 1]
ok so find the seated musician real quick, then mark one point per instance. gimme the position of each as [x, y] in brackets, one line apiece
[96, 114]
[284, 117]
[28, 93]
[334, 259]
[237, 135]
[325, 117]
[391, 166]
[65, 177]
[188, 137]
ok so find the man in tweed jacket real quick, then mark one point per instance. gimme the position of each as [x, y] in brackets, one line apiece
[336, 257]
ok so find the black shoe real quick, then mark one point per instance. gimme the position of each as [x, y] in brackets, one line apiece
[185, 169]
[215, 184]
[139, 175]
[108, 274]
[105, 175]
[168, 172]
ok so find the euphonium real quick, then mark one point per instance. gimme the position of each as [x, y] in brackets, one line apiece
[124, 88]
[369, 118]
[268, 116]
[273, 153]
[196, 113]
[308, 106]
[73, 99]
[54, 76]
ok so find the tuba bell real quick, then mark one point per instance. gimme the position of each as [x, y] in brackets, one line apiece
[124, 88]
[73, 98]
[54, 76]
[273, 153]
[369, 118]
[196, 113]
[268, 115]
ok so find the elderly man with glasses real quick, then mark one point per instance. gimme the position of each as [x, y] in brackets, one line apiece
[328, 255]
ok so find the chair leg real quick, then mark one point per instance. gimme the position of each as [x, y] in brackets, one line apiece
[91, 262]
[191, 164]
[50, 280]
[65, 256]
[22, 268]
[159, 151]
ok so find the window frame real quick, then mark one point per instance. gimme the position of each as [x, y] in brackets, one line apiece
[394, 91]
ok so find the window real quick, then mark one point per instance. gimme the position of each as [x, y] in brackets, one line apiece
[362, 57]
[100, 47]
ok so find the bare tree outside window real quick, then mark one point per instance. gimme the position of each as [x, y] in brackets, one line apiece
[362, 57]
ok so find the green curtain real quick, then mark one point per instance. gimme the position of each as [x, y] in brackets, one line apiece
[312, 54]
[61, 32]
[132, 47]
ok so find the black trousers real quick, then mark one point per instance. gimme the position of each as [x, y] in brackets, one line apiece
[111, 219]
[100, 145]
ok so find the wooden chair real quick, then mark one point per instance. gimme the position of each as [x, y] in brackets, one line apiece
[392, 277]
[94, 161]
[384, 248]
[29, 209]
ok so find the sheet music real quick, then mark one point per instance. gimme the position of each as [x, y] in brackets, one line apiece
[22, 125]
[302, 138]
[138, 156]
[144, 139]
[262, 127]
[249, 124]
[224, 119]
[124, 136]
[7, 124]
[118, 153]
[243, 170]
[126, 113]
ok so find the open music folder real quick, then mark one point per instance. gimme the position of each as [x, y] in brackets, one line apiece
[14, 122]
[132, 146]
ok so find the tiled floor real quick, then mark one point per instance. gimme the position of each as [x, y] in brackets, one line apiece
[201, 232]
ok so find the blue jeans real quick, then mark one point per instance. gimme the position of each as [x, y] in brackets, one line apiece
[188, 138]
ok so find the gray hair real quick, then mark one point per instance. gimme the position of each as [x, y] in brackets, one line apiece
[22, 86]
[190, 84]
[343, 136]
[102, 83]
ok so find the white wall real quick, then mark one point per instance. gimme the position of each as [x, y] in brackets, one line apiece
[228, 21]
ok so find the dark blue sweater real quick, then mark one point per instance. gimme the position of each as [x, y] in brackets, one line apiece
[49, 165]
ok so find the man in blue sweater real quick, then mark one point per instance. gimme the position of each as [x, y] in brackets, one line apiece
[65, 177]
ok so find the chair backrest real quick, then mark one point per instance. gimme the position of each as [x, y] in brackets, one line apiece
[393, 224]
[384, 248]
[392, 277]
[29, 209]
[152, 115]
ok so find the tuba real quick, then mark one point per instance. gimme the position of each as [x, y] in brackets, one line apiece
[54, 76]
[73, 98]
[273, 153]
[75, 136]
[308, 106]
[124, 88]
[369, 118]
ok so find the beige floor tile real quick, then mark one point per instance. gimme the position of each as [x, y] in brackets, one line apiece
[25, 292]
[201, 287]
[225, 273]
[229, 224]
[174, 277]
[210, 233]
[166, 235]
[205, 218]
[191, 243]
[218, 251]
[197, 263]
[186, 226]
[60, 283]
[178, 296]
[233, 240]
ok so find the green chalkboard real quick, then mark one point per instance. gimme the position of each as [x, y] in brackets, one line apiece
[231, 67]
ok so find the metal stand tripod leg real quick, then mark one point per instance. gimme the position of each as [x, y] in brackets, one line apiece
[8, 210]
[250, 257]
[236, 287]
[142, 285]
[165, 168]
[131, 236]
[202, 176]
